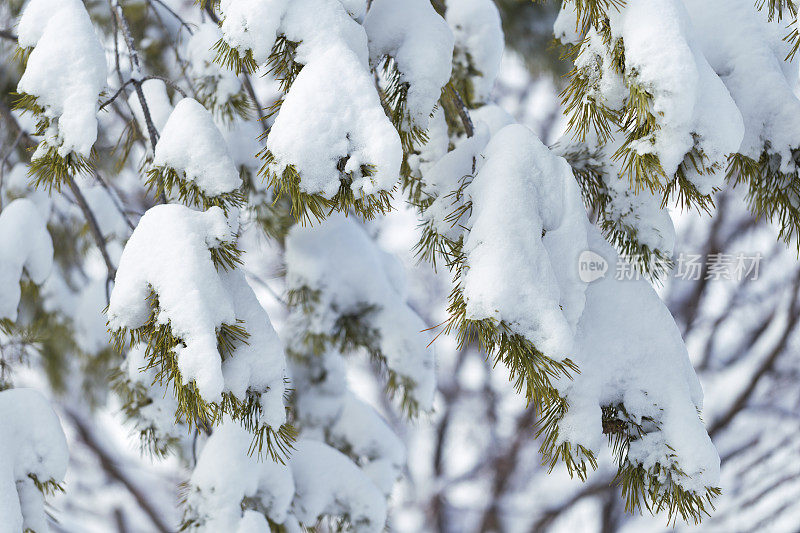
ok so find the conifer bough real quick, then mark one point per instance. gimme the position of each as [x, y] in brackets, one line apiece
[366, 107]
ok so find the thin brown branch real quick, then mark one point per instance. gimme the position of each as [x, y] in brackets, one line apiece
[94, 229]
[744, 396]
[110, 465]
[8, 34]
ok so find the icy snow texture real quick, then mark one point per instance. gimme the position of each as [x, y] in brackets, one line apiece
[32, 443]
[340, 260]
[317, 481]
[421, 44]
[66, 70]
[169, 253]
[24, 244]
[525, 229]
[479, 41]
[192, 143]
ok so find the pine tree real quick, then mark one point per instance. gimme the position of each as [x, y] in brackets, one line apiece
[175, 148]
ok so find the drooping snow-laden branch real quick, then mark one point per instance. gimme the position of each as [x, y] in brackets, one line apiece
[375, 104]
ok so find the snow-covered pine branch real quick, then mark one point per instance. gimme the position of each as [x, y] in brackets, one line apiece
[25, 246]
[65, 74]
[33, 459]
[208, 216]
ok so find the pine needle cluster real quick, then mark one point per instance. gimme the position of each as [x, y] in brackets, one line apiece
[635, 123]
[351, 331]
[48, 168]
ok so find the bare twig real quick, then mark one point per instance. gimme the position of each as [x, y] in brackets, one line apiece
[94, 228]
[137, 70]
[111, 466]
[172, 12]
[130, 81]
[744, 395]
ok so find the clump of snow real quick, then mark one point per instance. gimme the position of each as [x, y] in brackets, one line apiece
[32, 443]
[630, 351]
[333, 113]
[479, 42]
[525, 229]
[332, 117]
[618, 332]
[66, 70]
[338, 259]
[16, 184]
[690, 103]
[362, 431]
[747, 53]
[328, 483]
[226, 474]
[192, 143]
[169, 254]
[326, 409]
[257, 365]
[566, 27]
[25, 245]
[228, 486]
[421, 44]
[252, 25]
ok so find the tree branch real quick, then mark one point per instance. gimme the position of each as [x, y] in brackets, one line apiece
[110, 465]
[8, 34]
